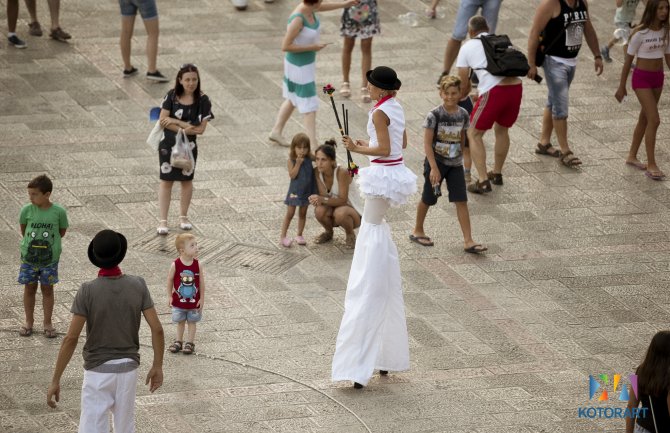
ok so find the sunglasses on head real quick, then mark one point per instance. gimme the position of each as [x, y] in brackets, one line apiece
[188, 65]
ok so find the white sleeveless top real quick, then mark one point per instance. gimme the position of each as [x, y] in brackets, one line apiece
[396, 116]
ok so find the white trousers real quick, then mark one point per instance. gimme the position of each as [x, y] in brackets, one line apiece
[102, 393]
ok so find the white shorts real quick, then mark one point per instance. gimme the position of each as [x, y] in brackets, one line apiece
[102, 393]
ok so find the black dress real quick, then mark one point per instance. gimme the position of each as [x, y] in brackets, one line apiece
[193, 114]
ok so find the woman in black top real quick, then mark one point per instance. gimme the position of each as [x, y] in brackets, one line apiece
[653, 382]
[184, 107]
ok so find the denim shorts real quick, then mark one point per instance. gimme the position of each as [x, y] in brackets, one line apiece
[147, 8]
[190, 315]
[45, 275]
[558, 77]
[468, 9]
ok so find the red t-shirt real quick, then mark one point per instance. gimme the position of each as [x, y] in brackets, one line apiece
[186, 285]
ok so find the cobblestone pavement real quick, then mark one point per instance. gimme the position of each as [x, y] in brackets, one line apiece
[575, 281]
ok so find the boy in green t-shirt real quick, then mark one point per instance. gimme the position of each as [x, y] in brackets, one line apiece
[43, 224]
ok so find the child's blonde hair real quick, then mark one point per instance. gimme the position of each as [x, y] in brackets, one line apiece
[449, 81]
[300, 140]
[181, 239]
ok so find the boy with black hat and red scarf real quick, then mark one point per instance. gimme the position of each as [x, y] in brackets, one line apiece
[111, 307]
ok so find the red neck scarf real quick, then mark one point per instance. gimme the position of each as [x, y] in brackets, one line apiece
[111, 272]
[381, 101]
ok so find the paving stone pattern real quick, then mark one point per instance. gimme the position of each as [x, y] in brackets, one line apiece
[575, 281]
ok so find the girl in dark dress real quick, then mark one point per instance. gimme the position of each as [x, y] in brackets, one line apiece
[184, 107]
[301, 172]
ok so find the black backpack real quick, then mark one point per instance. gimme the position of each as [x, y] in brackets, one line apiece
[502, 58]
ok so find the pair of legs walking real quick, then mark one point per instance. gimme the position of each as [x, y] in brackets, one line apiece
[164, 197]
[285, 111]
[127, 28]
[646, 127]
[478, 151]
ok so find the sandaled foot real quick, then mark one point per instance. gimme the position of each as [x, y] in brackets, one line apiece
[50, 332]
[350, 241]
[422, 240]
[655, 174]
[189, 348]
[365, 95]
[345, 90]
[637, 164]
[547, 149]
[300, 240]
[475, 249]
[480, 187]
[286, 242]
[495, 178]
[570, 160]
[162, 228]
[323, 238]
[25, 331]
[184, 223]
[175, 347]
[279, 139]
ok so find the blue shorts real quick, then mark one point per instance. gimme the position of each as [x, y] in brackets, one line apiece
[147, 8]
[190, 315]
[45, 275]
[468, 9]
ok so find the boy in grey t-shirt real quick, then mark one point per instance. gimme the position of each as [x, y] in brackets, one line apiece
[111, 307]
[444, 136]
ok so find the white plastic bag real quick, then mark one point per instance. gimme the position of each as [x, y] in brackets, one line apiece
[181, 155]
[155, 136]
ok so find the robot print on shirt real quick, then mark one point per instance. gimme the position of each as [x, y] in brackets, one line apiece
[39, 248]
[187, 289]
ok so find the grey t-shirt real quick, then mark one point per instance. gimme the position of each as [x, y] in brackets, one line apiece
[450, 130]
[113, 310]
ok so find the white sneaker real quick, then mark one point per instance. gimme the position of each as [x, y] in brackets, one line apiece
[240, 5]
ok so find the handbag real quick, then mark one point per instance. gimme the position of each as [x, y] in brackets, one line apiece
[155, 136]
[181, 155]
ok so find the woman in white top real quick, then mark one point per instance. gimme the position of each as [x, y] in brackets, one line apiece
[650, 44]
[373, 332]
[332, 205]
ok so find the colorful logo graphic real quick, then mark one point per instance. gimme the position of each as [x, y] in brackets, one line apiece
[595, 385]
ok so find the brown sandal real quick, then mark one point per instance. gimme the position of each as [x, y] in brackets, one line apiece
[175, 347]
[323, 238]
[570, 160]
[543, 149]
[188, 348]
[25, 332]
[50, 333]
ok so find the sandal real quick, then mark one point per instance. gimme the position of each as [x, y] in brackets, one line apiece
[475, 249]
[50, 333]
[543, 149]
[189, 348]
[495, 178]
[175, 347]
[345, 90]
[480, 187]
[570, 160]
[350, 241]
[422, 240]
[655, 175]
[323, 238]
[365, 95]
[184, 223]
[162, 228]
[25, 332]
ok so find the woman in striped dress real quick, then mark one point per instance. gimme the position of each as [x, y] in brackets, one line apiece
[301, 44]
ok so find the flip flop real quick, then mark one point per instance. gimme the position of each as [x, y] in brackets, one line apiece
[655, 175]
[50, 333]
[638, 165]
[475, 249]
[25, 332]
[418, 239]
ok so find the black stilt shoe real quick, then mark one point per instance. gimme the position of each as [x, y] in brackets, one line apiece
[357, 385]
[383, 372]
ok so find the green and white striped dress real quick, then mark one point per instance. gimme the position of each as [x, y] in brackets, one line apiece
[300, 68]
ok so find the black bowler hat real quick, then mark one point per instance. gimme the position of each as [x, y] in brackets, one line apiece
[107, 249]
[384, 78]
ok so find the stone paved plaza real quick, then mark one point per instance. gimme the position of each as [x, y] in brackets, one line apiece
[575, 281]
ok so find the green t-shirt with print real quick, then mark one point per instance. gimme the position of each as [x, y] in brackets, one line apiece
[41, 244]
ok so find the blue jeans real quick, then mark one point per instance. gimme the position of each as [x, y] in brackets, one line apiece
[558, 76]
[468, 9]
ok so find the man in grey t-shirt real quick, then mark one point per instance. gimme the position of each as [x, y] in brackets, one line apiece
[111, 307]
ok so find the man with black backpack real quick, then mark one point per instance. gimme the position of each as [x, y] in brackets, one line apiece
[499, 96]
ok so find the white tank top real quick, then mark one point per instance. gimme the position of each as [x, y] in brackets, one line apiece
[396, 126]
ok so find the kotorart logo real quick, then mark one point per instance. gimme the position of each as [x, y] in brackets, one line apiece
[615, 386]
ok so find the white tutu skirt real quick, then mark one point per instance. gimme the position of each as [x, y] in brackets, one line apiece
[373, 332]
[395, 183]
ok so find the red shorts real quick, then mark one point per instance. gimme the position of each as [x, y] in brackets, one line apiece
[647, 79]
[499, 105]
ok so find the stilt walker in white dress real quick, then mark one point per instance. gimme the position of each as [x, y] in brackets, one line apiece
[373, 332]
